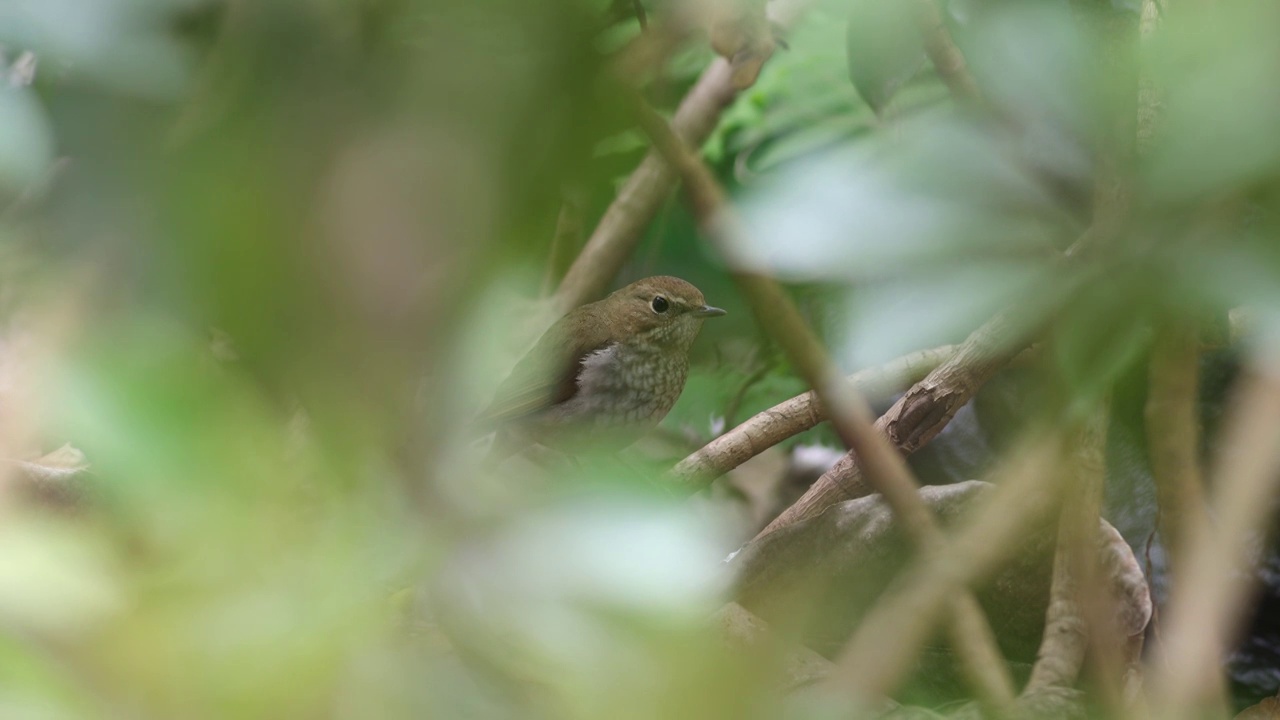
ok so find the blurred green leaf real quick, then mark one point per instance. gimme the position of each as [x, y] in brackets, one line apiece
[939, 305]
[820, 135]
[1220, 105]
[1032, 60]
[799, 87]
[289, 523]
[1099, 337]
[936, 191]
[883, 49]
[124, 45]
[625, 142]
[547, 600]
[26, 140]
[56, 579]
[34, 685]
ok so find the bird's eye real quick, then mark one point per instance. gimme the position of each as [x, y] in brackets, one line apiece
[660, 304]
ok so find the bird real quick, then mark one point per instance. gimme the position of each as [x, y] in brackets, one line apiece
[602, 375]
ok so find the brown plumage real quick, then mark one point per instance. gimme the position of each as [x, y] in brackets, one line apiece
[605, 373]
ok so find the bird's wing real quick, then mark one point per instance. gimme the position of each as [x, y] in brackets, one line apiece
[548, 374]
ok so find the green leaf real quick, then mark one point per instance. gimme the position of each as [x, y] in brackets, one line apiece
[26, 142]
[883, 49]
[123, 45]
[1104, 333]
[821, 135]
[936, 191]
[1219, 108]
[624, 142]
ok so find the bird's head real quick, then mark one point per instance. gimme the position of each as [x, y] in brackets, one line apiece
[665, 311]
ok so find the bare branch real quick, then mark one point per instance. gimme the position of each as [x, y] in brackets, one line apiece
[792, 417]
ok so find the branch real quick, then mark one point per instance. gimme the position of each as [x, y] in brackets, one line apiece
[1051, 692]
[850, 414]
[919, 415]
[1209, 601]
[638, 202]
[802, 412]
[889, 637]
[1173, 433]
[1083, 612]
[943, 53]
[929, 406]
[1137, 610]
[1066, 639]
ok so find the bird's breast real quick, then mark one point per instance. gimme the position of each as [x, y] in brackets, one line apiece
[623, 384]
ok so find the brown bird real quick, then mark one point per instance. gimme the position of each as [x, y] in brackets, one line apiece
[604, 374]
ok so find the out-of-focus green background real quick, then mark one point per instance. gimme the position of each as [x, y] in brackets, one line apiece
[261, 261]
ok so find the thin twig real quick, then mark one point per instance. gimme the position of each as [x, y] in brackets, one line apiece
[567, 240]
[734, 405]
[886, 470]
[802, 412]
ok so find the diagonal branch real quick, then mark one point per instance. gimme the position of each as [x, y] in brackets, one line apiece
[919, 415]
[886, 469]
[638, 202]
[802, 412]
[943, 53]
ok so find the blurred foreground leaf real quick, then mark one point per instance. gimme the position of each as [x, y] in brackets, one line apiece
[883, 49]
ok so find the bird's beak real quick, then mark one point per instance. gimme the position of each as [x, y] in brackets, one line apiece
[707, 311]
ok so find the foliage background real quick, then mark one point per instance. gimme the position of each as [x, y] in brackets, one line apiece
[260, 261]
